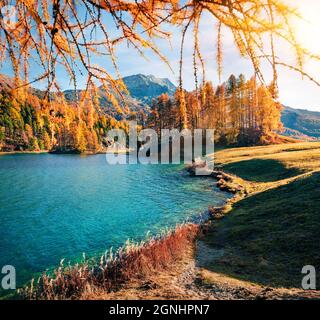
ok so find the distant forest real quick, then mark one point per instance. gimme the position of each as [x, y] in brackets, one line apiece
[31, 123]
[242, 113]
[71, 37]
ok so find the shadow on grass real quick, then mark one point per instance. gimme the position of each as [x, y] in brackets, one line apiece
[269, 237]
[261, 170]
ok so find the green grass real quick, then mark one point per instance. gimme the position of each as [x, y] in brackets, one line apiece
[261, 170]
[269, 236]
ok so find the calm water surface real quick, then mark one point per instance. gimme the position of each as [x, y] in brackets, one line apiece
[59, 206]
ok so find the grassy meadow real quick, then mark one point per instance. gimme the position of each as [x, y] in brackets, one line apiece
[269, 235]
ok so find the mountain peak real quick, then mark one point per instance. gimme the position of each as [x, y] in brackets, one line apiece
[146, 87]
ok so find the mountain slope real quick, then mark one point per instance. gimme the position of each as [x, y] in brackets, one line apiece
[142, 89]
[300, 123]
[145, 88]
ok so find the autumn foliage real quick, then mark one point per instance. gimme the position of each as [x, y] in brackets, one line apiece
[67, 36]
[241, 112]
[31, 123]
[70, 34]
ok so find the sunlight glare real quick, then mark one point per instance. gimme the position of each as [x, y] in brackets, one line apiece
[308, 29]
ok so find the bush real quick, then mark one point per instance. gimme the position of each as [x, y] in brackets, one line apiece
[129, 262]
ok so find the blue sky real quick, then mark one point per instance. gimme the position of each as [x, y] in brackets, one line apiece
[294, 91]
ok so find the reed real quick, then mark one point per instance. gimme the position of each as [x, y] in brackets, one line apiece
[132, 261]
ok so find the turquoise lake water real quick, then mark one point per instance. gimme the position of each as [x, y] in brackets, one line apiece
[60, 206]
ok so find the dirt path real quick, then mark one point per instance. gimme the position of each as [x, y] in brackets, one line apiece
[186, 279]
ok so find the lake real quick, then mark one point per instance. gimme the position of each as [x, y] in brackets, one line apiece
[60, 206]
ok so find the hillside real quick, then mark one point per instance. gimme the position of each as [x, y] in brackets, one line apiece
[301, 124]
[146, 87]
[142, 89]
[298, 123]
[270, 234]
[28, 124]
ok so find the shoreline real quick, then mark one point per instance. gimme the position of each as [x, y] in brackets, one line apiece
[262, 216]
[201, 223]
[132, 262]
[23, 152]
[136, 250]
[226, 183]
[240, 189]
[72, 152]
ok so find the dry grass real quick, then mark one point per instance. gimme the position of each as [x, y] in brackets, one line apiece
[250, 290]
[271, 231]
[160, 284]
[111, 272]
[265, 152]
[265, 167]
